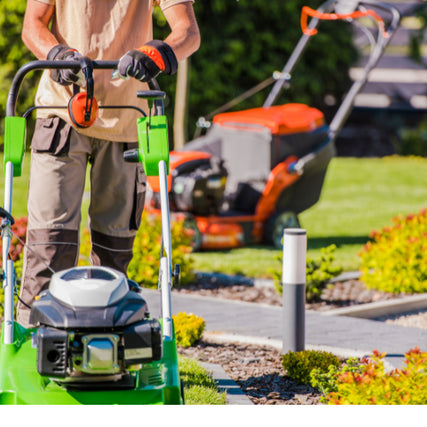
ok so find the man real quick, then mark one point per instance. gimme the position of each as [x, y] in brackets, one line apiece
[100, 30]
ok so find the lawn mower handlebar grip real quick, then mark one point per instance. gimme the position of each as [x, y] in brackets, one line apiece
[131, 156]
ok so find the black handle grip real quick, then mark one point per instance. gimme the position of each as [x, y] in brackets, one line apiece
[131, 156]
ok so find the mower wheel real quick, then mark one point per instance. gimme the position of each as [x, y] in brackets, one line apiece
[277, 224]
[190, 223]
[181, 382]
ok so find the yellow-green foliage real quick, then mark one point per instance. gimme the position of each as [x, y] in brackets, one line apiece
[144, 267]
[396, 258]
[319, 272]
[372, 385]
[326, 382]
[298, 365]
[188, 328]
[199, 387]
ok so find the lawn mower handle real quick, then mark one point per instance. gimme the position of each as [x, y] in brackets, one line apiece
[328, 7]
[45, 65]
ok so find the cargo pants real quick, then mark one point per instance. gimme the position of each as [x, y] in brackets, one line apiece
[59, 159]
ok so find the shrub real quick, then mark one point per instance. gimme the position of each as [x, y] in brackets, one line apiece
[326, 382]
[395, 260]
[298, 365]
[188, 328]
[144, 267]
[19, 230]
[372, 385]
[199, 387]
[412, 141]
[318, 273]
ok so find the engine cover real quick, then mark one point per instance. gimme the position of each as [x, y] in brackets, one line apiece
[88, 297]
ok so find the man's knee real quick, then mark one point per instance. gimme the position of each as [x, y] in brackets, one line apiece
[109, 251]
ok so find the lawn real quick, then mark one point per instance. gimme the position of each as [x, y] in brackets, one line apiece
[358, 196]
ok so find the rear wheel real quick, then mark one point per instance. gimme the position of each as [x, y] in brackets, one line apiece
[190, 223]
[276, 226]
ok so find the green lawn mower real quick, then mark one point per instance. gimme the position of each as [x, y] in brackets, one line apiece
[94, 340]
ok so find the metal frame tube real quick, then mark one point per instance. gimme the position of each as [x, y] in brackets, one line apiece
[8, 269]
[165, 262]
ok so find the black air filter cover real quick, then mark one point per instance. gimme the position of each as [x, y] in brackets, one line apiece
[49, 311]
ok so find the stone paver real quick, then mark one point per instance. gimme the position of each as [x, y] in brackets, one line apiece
[258, 322]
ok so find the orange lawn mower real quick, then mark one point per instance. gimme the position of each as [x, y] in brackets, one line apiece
[255, 170]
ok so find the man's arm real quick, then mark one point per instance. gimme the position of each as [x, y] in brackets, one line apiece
[184, 38]
[35, 31]
[156, 56]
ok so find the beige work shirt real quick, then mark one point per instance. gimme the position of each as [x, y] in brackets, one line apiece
[102, 30]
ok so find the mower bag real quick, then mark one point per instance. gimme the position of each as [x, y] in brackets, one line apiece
[253, 142]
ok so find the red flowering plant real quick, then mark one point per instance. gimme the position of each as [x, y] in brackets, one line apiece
[19, 230]
[371, 384]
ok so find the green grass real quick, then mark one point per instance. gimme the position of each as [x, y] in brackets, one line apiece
[358, 196]
[199, 387]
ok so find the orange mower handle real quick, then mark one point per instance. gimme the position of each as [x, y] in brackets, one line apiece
[308, 11]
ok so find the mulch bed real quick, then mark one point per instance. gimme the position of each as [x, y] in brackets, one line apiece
[257, 369]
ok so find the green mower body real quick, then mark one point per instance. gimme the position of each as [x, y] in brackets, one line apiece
[156, 383]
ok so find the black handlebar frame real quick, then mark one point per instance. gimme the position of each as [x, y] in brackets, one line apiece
[45, 65]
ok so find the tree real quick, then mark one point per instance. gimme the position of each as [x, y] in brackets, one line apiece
[245, 41]
[14, 54]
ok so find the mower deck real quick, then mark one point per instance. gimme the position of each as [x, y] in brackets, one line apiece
[20, 384]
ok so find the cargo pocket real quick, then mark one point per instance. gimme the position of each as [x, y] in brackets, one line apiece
[51, 135]
[139, 198]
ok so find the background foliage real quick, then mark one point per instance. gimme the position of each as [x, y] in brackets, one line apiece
[245, 41]
[145, 264]
[14, 54]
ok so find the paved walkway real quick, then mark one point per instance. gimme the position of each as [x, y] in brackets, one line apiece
[258, 323]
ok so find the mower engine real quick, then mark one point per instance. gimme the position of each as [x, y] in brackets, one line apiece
[198, 187]
[93, 326]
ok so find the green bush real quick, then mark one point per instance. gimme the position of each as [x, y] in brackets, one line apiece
[299, 365]
[188, 329]
[395, 260]
[326, 382]
[412, 141]
[372, 385]
[144, 267]
[319, 272]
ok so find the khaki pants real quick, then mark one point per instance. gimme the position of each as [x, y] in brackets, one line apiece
[59, 159]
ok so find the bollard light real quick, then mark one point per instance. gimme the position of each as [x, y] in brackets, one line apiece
[293, 281]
